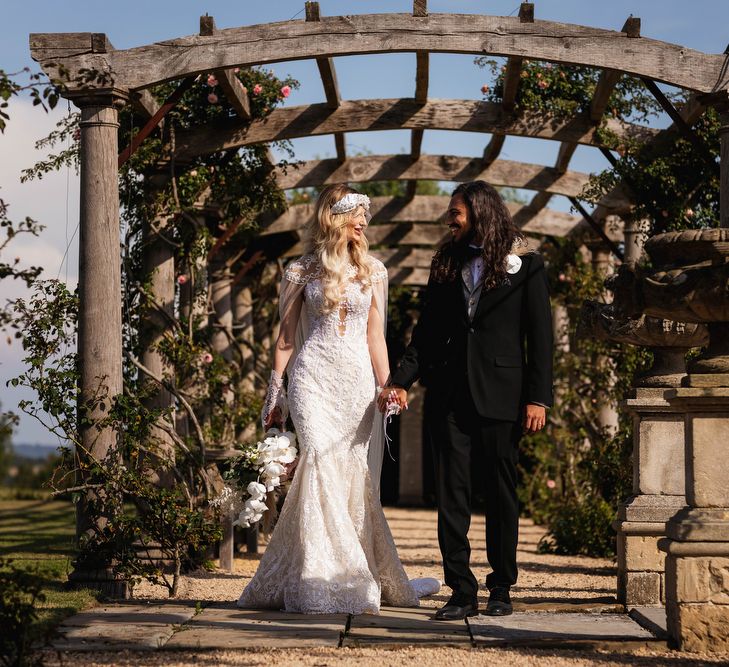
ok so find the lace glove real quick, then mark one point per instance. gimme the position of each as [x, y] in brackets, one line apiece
[275, 398]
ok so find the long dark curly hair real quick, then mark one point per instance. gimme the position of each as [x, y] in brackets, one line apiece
[492, 222]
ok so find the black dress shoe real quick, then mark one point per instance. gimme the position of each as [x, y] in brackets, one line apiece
[456, 611]
[499, 603]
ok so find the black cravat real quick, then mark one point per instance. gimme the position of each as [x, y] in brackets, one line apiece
[473, 251]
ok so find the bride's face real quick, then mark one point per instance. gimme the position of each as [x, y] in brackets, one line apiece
[356, 225]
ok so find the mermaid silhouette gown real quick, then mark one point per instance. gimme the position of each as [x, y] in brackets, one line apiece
[331, 550]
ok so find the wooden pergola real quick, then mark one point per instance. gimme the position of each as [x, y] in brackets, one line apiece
[404, 230]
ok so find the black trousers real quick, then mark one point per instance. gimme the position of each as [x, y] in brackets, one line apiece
[468, 450]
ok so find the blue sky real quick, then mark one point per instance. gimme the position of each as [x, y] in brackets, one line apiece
[701, 25]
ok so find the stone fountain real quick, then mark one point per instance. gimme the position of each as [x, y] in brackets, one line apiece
[658, 439]
[690, 283]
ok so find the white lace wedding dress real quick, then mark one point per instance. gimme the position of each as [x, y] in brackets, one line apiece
[331, 550]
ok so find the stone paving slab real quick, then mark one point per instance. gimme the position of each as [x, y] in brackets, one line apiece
[224, 626]
[541, 627]
[402, 626]
[652, 619]
[133, 627]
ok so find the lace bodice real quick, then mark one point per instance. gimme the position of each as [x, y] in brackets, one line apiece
[349, 320]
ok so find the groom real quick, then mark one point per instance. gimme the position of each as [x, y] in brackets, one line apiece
[483, 348]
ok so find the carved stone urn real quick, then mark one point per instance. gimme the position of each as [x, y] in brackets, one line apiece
[669, 340]
[691, 284]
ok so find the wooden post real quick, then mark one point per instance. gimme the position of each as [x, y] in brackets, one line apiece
[158, 265]
[222, 336]
[100, 304]
[603, 262]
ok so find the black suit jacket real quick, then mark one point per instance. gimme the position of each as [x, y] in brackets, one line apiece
[504, 353]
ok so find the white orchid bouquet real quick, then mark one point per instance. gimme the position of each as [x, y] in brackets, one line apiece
[257, 471]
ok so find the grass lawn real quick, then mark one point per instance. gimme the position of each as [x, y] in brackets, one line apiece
[39, 536]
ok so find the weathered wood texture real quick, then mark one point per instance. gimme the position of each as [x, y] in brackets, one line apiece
[100, 304]
[366, 168]
[512, 76]
[235, 92]
[329, 80]
[396, 114]
[394, 220]
[144, 66]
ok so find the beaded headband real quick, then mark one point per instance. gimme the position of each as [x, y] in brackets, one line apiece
[350, 202]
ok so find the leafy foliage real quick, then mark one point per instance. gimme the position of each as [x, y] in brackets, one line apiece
[577, 471]
[147, 498]
[20, 591]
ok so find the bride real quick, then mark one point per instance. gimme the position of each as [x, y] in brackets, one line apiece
[331, 550]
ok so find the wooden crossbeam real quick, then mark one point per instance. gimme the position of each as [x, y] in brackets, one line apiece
[609, 78]
[329, 81]
[152, 123]
[234, 91]
[505, 173]
[393, 219]
[145, 66]
[422, 75]
[396, 114]
[512, 76]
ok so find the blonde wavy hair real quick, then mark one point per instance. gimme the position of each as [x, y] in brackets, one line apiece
[327, 239]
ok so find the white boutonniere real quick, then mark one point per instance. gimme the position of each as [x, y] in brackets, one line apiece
[513, 263]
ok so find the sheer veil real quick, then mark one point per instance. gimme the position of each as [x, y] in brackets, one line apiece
[292, 286]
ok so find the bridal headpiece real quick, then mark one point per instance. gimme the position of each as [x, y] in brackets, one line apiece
[350, 202]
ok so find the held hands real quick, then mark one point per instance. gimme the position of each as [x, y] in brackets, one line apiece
[535, 417]
[391, 394]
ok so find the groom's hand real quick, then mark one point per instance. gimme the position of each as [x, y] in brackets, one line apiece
[399, 395]
[535, 417]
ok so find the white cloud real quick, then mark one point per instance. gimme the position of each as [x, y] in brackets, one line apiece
[53, 202]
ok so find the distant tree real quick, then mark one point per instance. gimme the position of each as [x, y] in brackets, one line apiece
[7, 421]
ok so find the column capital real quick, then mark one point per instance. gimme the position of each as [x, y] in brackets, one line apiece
[99, 97]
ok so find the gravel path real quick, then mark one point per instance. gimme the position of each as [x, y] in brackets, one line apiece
[543, 579]
[546, 582]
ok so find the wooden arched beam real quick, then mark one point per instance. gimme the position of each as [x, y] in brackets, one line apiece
[503, 173]
[334, 36]
[401, 221]
[398, 114]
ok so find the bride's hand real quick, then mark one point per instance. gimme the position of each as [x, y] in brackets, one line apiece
[392, 394]
[274, 419]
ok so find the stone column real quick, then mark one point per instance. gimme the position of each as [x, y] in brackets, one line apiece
[658, 493]
[697, 546]
[100, 305]
[410, 491]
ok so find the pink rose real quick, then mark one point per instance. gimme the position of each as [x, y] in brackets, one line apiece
[213, 98]
[542, 84]
[562, 277]
[689, 213]
[181, 279]
[551, 484]
[286, 91]
[207, 358]
[236, 70]
[212, 81]
[257, 89]
[485, 89]
[193, 172]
